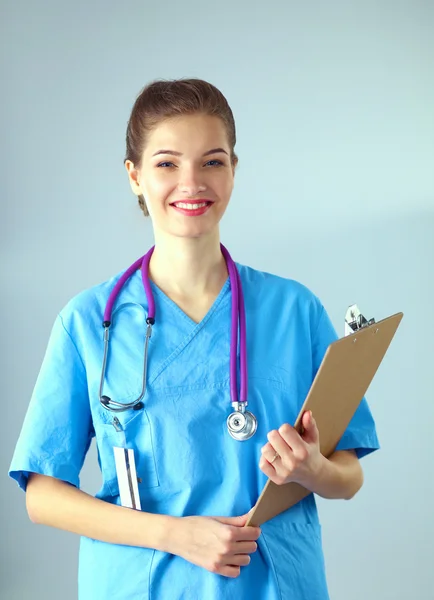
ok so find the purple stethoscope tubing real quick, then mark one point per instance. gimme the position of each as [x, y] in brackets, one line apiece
[238, 321]
[238, 317]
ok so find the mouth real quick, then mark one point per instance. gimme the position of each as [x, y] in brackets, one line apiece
[192, 208]
[192, 204]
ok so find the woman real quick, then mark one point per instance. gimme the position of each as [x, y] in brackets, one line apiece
[185, 467]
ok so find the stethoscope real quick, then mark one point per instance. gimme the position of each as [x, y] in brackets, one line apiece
[241, 423]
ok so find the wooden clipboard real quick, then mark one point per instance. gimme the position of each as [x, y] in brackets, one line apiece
[346, 371]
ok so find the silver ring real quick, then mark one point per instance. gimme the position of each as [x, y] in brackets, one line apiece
[276, 455]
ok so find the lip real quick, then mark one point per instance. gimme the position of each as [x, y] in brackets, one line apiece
[197, 201]
[196, 212]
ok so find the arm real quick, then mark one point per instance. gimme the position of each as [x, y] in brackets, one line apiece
[221, 545]
[300, 460]
[58, 504]
[339, 476]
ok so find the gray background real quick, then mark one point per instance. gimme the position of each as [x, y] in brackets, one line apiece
[334, 104]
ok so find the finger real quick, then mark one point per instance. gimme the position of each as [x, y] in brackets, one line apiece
[248, 515]
[306, 419]
[238, 560]
[311, 433]
[292, 439]
[269, 453]
[268, 470]
[279, 445]
[275, 474]
[238, 534]
[245, 547]
[228, 571]
[247, 534]
[239, 521]
[238, 529]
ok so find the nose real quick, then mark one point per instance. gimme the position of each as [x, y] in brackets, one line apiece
[191, 182]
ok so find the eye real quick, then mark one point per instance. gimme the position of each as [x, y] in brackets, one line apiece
[217, 163]
[165, 163]
[212, 163]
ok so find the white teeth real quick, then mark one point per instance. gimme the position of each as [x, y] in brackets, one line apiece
[190, 206]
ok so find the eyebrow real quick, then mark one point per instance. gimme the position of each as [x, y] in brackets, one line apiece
[174, 153]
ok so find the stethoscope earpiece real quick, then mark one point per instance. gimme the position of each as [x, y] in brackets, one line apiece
[110, 405]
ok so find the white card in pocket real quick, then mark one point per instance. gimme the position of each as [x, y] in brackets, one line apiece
[127, 478]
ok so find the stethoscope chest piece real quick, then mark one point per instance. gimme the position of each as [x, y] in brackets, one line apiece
[241, 425]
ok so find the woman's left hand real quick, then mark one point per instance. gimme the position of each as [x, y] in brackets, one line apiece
[289, 456]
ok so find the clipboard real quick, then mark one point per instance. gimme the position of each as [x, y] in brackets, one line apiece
[345, 373]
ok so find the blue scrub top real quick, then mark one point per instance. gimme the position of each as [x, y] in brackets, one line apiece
[186, 461]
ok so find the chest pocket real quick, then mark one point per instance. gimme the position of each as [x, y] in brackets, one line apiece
[130, 429]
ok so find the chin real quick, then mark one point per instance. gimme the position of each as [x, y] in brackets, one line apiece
[192, 232]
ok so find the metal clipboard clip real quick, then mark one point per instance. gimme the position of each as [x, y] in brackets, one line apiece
[354, 320]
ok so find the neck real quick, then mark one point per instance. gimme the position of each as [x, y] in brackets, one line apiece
[188, 267]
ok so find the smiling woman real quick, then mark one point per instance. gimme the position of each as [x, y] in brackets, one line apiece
[182, 459]
[167, 101]
[192, 176]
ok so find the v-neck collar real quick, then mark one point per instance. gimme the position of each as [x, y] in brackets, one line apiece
[180, 313]
[186, 328]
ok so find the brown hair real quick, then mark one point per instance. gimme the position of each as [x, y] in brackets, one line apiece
[163, 99]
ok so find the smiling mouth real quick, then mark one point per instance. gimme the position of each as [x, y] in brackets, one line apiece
[191, 205]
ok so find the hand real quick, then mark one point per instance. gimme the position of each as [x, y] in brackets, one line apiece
[219, 544]
[298, 456]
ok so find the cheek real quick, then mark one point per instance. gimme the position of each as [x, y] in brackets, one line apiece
[158, 188]
[224, 187]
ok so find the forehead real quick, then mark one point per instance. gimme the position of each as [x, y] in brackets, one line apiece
[188, 132]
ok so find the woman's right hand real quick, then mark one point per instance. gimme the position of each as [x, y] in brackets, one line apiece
[221, 545]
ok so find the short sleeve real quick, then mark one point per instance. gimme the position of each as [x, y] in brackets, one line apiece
[360, 434]
[57, 428]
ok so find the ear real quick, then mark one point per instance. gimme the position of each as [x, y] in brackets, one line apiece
[234, 166]
[133, 176]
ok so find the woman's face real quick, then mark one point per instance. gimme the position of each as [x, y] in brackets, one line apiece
[186, 175]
